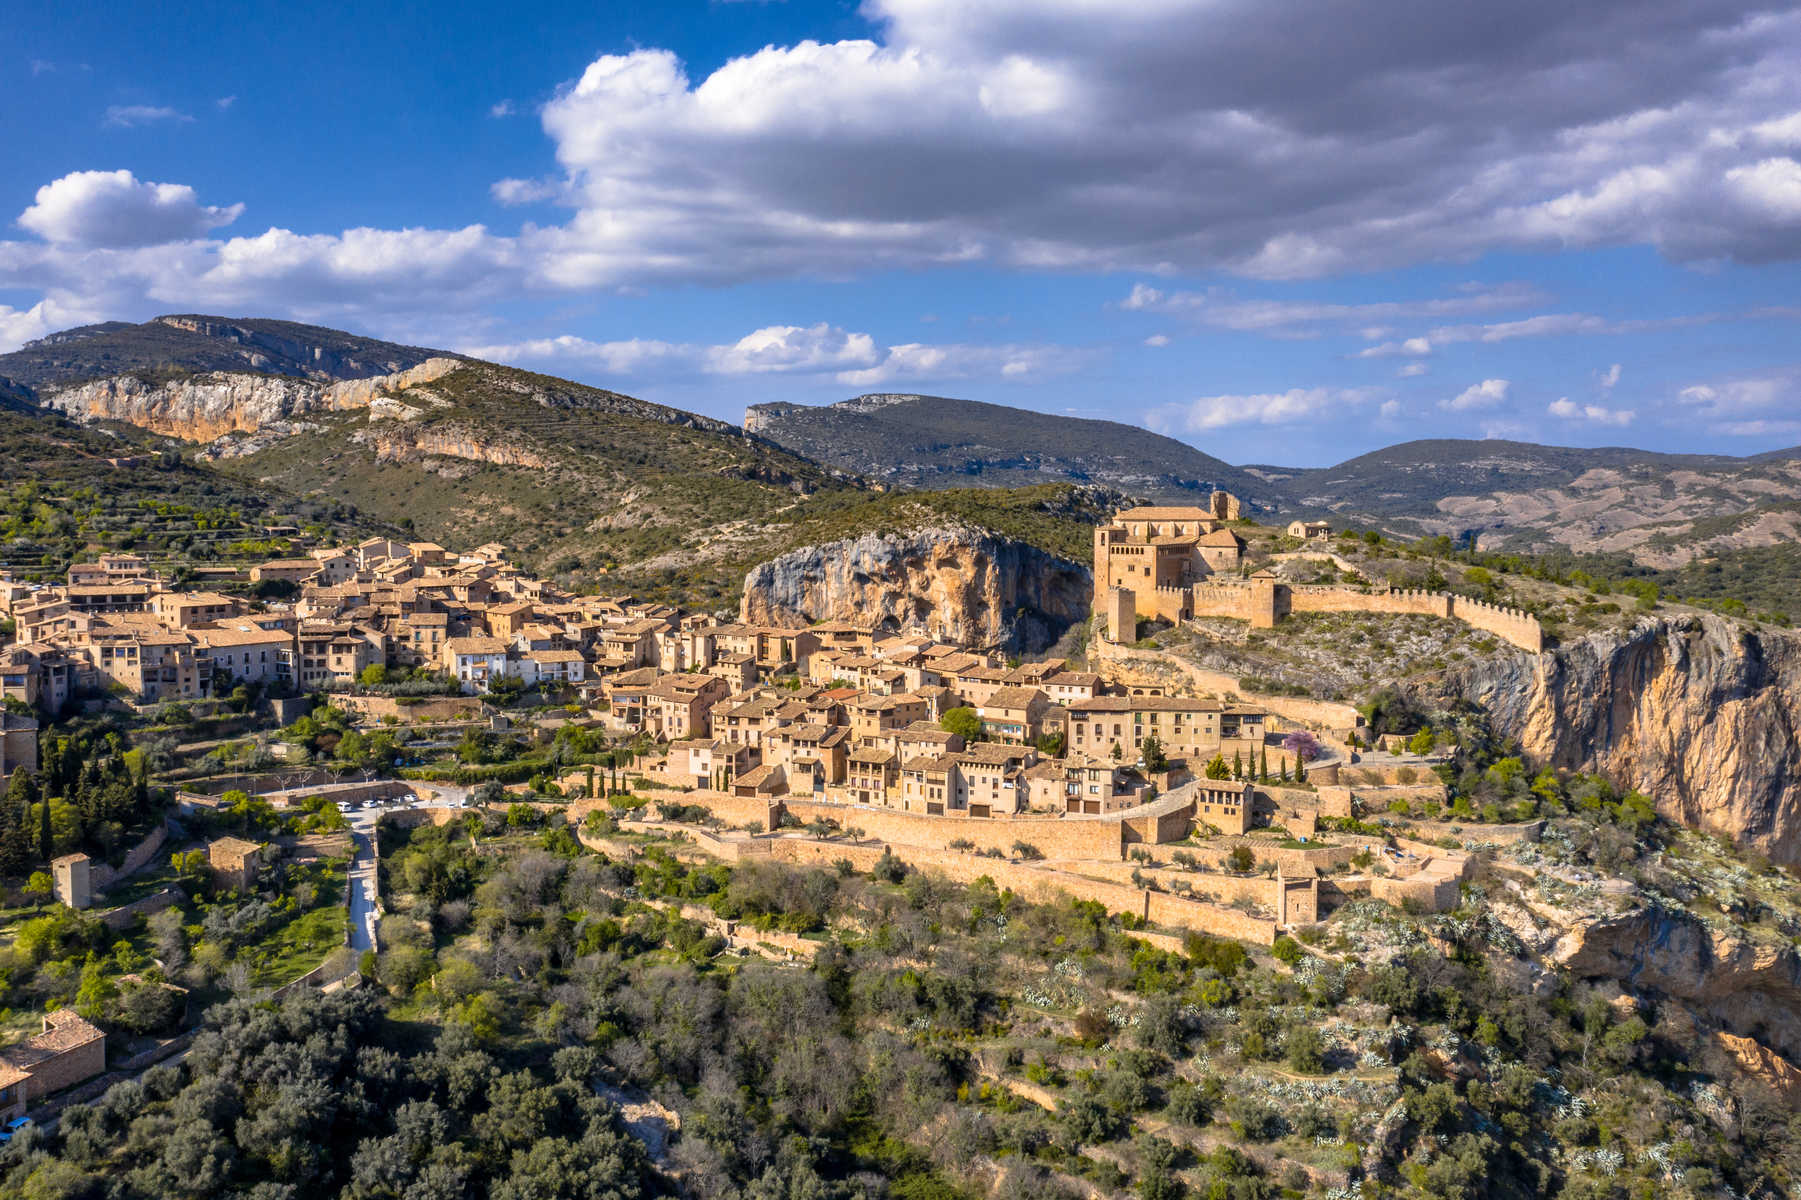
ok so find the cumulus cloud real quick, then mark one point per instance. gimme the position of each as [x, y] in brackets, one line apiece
[1293, 407]
[1177, 135]
[1566, 409]
[1412, 370]
[115, 208]
[849, 358]
[1490, 393]
[1157, 341]
[1610, 378]
[129, 116]
[504, 108]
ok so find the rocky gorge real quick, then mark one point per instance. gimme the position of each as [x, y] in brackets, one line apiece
[959, 583]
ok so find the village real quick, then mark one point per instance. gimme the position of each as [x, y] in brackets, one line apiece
[349, 687]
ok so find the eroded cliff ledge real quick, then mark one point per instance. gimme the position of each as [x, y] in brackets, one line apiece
[1697, 711]
[958, 583]
[213, 404]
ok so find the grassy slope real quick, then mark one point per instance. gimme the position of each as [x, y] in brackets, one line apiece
[62, 500]
[636, 497]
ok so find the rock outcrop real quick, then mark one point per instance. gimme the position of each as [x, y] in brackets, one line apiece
[958, 583]
[1752, 990]
[208, 406]
[1699, 712]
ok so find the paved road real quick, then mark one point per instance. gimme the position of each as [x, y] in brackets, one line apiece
[362, 883]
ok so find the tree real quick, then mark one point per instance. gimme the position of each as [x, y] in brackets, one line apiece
[373, 675]
[1263, 771]
[39, 887]
[1216, 767]
[46, 835]
[1154, 758]
[964, 722]
[1237, 765]
[1302, 744]
[1422, 742]
[1241, 859]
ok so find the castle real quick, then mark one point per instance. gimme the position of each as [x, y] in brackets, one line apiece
[1178, 563]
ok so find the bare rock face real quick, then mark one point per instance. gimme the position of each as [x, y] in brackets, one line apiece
[959, 584]
[1753, 990]
[209, 406]
[1698, 712]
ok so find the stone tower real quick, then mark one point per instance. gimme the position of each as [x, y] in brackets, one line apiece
[1122, 615]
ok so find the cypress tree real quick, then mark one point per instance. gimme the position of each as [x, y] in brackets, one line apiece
[1300, 770]
[46, 839]
[1237, 765]
[1263, 771]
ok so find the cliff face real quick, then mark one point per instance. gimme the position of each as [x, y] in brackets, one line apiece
[205, 407]
[959, 584]
[1696, 711]
[1753, 990]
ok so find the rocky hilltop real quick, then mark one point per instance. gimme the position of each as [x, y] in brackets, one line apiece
[189, 342]
[958, 582]
[1697, 711]
[208, 406]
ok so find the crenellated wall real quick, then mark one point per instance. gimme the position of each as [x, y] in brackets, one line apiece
[1263, 603]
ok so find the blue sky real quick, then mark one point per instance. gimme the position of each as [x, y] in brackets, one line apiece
[1283, 234]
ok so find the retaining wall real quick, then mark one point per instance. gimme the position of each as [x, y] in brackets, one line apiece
[119, 918]
[101, 876]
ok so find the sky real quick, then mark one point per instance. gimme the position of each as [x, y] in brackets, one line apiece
[1283, 233]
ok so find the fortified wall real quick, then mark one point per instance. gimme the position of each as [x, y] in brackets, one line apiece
[1264, 602]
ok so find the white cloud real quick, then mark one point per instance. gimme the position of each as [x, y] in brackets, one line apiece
[1389, 410]
[1223, 309]
[524, 191]
[1751, 406]
[1610, 378]
[1294, 407]
[1163, 137]
[113, 209]
[794, 348]
[130, 116]
[504, 108]
[1487, 394]
[1412, 370]
[1157, 340]
[849, 358]
[225, 102]
[1566, 409]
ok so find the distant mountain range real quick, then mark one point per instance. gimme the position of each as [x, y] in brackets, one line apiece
[600, 482]
[911, 441]
[1662, 510]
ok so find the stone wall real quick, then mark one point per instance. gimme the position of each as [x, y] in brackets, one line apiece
[1054, 837]
[1156, 667]
[1247, 602]
[422, 708]
[103, 877]
[119, 918]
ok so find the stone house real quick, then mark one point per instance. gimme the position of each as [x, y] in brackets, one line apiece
[681, 706]
[72, 878]
[235, 862]
[18, 745]
[1014, 714]
[70, 1050]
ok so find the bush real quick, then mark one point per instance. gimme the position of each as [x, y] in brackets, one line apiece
[1287, 950]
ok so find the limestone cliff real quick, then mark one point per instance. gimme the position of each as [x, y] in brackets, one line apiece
[207, 406]
[956, 582]
[1697, 711]
[1751, 989]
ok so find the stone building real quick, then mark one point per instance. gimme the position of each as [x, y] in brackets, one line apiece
[235, 862]
[68, 1051]
[73, 881]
